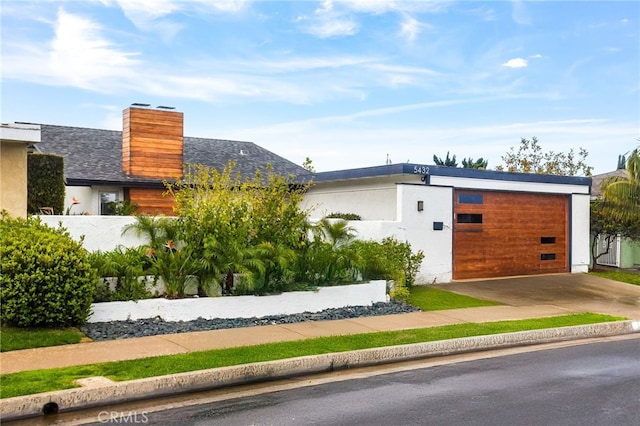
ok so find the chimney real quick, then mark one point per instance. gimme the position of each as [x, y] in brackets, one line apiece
[152, 142]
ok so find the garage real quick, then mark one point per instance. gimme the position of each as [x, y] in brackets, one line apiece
[500, 233]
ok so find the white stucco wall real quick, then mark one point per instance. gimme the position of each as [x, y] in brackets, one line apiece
[293, 302]
[580, 232]
[371, 198]
[436, 245]
[100, 232]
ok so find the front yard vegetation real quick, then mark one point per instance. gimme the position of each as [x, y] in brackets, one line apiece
[625, 277]
[232, 236]
[14, 338]
[45, 276]
[235, 236]
[432, 299]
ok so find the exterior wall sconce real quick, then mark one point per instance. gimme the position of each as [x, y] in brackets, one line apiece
[420, 206]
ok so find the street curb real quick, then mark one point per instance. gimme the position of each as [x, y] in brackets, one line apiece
[118, 392]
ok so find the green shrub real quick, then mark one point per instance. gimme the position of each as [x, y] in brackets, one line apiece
[45, 276]
[390, 260]
[128, 267]
[330, 258]
[45, 183]
[241, 225]
[344, 216]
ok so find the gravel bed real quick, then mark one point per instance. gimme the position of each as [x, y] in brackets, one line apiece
[155, 326]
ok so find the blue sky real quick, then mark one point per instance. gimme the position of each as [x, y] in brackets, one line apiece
[348, 84]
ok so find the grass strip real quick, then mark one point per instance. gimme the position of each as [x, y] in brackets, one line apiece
[433, 299]
[13, 338]
[423, 297]
[625, 277]
[30, 382]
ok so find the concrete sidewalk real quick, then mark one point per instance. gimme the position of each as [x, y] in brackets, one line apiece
[523, 298]
[169, 344]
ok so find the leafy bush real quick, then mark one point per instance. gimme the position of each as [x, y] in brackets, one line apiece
[225, 219]
[45, 183]
[122, 208]
[45, 276]
[128, 267]
[330, 258]
[390, 260]
[344, 216]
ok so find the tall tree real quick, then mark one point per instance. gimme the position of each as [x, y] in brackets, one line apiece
[529, 158]
[623, 192]
[607, 225]
[448, 161]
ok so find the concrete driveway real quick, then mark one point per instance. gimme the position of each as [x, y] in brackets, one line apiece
[576, 292]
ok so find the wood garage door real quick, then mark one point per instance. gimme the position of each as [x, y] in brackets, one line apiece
[499, 234]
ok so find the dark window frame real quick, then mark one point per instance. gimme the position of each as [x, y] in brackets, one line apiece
[470, 198]
[469, 218]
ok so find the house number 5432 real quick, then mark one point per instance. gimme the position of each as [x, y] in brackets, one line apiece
[420, 170]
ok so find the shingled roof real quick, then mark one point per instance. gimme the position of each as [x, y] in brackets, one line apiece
[94, 156]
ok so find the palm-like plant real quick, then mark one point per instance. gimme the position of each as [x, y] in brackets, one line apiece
[622, 193]
[337, 233]
[157, 230]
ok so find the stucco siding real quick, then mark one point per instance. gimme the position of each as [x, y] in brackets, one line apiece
[580, 233]
[102, 233]
[419, 231]
[372, 199]
[13, 178]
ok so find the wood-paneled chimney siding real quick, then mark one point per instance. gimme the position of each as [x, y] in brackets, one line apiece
[152, 143]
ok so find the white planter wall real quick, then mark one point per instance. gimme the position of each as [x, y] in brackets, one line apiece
[100, 232]
[294, 302]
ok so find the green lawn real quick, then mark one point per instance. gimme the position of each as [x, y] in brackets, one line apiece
[625, 277]
[13, 338]
[432, 299]
[29, 382]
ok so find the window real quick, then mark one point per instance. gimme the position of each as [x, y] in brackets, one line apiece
[469, 218]
[547, 240]
[470, 199]
[107, 203]
[548, 256]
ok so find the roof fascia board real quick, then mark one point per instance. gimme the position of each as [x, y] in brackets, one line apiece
[423, 169]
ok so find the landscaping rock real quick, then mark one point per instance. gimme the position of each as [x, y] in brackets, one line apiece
[155, 326]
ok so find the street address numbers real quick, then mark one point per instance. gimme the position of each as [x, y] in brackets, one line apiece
[420, 170]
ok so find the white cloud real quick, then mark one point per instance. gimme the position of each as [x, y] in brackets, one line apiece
[328, 28]
[385, 6]
[410, 28]
[79, 55]
[520, 13]
[326, 22]
[516, 63]
[147, 14]
[536, 56]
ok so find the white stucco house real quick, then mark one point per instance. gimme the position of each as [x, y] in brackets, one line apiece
[469, 223]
